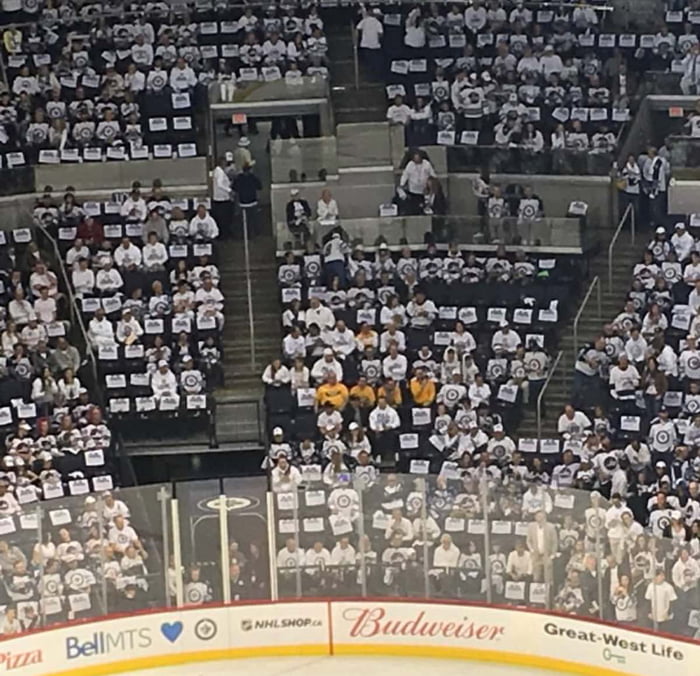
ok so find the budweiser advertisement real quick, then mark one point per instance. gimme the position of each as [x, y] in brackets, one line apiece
[516, 637]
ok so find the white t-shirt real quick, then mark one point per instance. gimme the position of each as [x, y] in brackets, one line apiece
[372, 31]
[661, 596]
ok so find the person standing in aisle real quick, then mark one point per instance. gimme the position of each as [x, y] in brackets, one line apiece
[247, 185]
[371, 34]
[221, 204]
[414, 181]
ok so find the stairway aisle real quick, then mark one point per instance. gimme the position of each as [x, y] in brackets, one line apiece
[558, 393]
[242, 377]
[366, 104]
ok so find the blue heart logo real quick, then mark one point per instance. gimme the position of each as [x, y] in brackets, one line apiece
[171, 630]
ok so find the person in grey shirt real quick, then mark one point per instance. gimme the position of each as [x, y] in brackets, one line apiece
[65, 356]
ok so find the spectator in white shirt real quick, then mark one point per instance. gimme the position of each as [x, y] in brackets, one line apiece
[100, 330]
[572, 421]
[505, 341]
[128, 328]
[371, 33]
[134, 79]
[108, 280]
[42, 276]
[398, 112]
[127, 254]
[202, 226]
[20, 309]
[294, 345]
[682, 242]
[383, 418]
[182, 77]
[624, 379]
[446, 554]
[325, 366]
[76, 252]
[210, 302]
[479, 392]
[519, 563]
[414, 181]
[163, 381]
[276, 374]
[395, 365]
[45, 307]
[327, 207]
[83, 279]
[320, 315]
[550, 63]
[662, 596]
[134, 207]
[155, 255]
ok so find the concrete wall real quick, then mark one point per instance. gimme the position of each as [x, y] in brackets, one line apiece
[684, 197]
[16, 211]
[556, 192]
[120, 175]
[354, 200]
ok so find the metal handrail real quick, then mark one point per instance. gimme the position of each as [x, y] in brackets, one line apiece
[355, 54]
[629, 212]
[249, 288]
[76, 314]
[595, 285]
[540, 396]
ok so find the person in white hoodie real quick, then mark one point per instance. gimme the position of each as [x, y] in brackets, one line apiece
[83, 279]
[335, 251]
[550, 63]
[163, 381]
[155, 255]
[327, 207]
[202, 226]
[100, 330]
[134, 207]
[682, 242]
[108, 280]
[446, 555]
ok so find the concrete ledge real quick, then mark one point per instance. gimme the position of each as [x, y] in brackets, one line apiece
[120, 175]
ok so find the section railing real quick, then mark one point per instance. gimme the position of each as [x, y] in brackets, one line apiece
[76, 315]
[355, 53]
[629, 216]
[540, 397]
[470, 533]
[472, 157]
[594, 286]
[556, 235]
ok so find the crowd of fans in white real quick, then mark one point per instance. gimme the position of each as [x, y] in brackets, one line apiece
[144, 275]
[616, 496]
[498, 73]
[56, 442]
[88, 83]
[85, 543]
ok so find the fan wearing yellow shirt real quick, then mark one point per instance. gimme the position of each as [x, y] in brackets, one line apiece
[422, 389]
[364, 392]
[391, 392]
[332, 392]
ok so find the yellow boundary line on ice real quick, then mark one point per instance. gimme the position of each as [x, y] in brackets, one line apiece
[385, 650]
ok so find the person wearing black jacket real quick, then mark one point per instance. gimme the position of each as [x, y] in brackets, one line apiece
[298, 213]
[247, 185]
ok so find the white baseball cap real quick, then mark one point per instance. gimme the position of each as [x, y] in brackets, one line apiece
[277, 431]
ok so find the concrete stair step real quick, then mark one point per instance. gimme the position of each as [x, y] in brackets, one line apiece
[345, 115]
